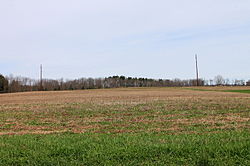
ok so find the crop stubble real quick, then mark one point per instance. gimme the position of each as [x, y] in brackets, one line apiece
[125, 110]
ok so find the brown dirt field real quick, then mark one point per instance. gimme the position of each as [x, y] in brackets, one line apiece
[112, 95]
[170, 110]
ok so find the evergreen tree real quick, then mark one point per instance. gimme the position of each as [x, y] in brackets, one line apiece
[3, 84]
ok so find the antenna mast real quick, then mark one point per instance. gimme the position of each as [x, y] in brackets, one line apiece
[41, 77]
[197, 71]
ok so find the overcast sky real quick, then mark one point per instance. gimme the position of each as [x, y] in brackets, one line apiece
[139, 38]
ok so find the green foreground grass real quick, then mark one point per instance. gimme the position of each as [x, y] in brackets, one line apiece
[227, 148]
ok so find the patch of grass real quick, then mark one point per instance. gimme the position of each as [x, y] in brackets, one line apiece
[238, 91]
[226, 148]
[218, 90]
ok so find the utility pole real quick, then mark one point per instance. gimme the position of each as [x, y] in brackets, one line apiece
[197, 71]
[41, 77]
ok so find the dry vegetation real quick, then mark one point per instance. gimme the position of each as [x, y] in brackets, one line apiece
[127, 110]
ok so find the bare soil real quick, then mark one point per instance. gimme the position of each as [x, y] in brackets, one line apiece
[170, 110]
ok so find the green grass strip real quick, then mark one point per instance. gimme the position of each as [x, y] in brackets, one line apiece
[236, 91]
[229, 148]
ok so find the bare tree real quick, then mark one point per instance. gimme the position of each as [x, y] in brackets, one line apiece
[219, 80]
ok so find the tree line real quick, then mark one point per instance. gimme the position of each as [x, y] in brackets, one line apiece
[22, 84]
